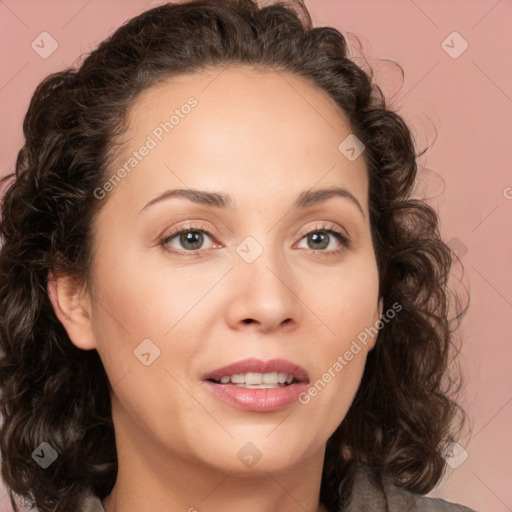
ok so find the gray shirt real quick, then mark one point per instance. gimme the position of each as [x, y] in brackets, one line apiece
[366, 497]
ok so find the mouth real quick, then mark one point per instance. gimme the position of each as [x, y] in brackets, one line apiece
[257, 380]
[260, 386]
[257, 374]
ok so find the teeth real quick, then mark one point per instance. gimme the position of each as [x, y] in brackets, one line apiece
[258, 380]
[258, 386]
[253, 378]
[270, 378]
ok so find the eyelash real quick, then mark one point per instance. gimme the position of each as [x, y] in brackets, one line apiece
[345, 241]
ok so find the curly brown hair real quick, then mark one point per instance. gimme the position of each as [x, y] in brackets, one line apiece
[403, 415]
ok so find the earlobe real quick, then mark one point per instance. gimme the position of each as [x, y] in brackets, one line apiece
[72, 307]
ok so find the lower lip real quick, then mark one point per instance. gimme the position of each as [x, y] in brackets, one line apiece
[258, 400]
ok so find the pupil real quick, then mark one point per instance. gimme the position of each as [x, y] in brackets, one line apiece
[315, 237]
[189, 238]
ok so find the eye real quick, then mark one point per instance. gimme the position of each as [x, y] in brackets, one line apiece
[321, 236]
[191, 239]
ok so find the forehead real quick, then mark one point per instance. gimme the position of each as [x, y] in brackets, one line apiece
[249, 130]
[244, 96]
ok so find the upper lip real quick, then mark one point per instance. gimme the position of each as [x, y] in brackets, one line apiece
[254, 365]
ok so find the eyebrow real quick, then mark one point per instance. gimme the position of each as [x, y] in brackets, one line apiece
[306, 199]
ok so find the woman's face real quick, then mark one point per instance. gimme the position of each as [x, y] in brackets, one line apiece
[166, 314]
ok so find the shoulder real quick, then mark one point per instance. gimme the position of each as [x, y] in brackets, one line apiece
[399, 499]
[371, 492]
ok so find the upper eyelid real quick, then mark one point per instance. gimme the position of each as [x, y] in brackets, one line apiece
[320, 225]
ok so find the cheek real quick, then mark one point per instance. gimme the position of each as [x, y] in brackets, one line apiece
[348, 307]
[347, 300]
[142, 313]
[150, 405]
[131, 297]
[148, 293]
[331, 392]
[145, 368]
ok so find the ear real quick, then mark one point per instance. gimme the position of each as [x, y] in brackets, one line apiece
[72, 307]
[373, 339]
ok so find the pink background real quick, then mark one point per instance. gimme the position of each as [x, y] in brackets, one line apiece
[467, 172]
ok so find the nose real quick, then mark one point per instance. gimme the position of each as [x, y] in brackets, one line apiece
[263, 294]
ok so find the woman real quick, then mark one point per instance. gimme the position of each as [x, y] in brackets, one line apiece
[216, 291]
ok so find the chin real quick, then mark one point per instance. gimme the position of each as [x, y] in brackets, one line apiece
[257, 452]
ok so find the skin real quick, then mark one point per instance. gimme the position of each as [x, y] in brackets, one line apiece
[263, 138]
